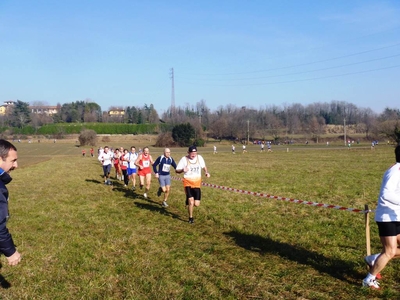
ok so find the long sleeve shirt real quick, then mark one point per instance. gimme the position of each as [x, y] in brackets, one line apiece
[164, 165]
[7, 246]
[106, 158]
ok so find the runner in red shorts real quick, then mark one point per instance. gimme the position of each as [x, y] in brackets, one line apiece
[144, 163]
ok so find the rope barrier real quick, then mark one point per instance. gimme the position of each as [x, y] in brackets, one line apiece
[316, 204]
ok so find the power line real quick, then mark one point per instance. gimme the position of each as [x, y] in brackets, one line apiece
[172, 89]
[300, 80]
[303, 64]
[303, 72]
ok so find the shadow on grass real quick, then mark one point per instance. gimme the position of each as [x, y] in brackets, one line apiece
[118, 186]
[156, 207]
[340, 269]
[94, 181]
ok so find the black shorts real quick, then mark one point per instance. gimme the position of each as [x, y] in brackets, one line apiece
[194, 193]
[388, 228]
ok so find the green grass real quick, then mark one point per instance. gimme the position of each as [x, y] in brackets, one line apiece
[83, 240]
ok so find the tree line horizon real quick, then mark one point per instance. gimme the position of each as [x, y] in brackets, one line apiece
[229, 121]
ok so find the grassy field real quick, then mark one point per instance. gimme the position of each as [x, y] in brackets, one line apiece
[81, 239]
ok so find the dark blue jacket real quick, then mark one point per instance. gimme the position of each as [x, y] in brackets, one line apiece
[160, 162]
[7, 246]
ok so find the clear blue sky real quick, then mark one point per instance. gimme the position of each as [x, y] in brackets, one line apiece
[253, 53]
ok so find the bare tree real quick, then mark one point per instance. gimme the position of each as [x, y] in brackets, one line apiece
[219, 128]
[369, 119]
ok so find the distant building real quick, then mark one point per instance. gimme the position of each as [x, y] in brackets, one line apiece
[40, 109]
[9, 102]
[5, 106]
[44, 109]
[116, 113]
[3, 109]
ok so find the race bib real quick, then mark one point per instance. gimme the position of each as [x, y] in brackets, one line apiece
[146, 163]
[166, 168]
[125, 163]
[194, 170]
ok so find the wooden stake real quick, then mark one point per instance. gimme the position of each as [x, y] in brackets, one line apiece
[367, 230]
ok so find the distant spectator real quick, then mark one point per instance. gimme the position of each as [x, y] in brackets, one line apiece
[269, 147]
[244, 148]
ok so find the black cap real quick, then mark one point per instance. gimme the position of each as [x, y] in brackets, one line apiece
[192, 149]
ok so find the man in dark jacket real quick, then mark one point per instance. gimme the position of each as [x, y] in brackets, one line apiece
[8, 162]
[161, 168]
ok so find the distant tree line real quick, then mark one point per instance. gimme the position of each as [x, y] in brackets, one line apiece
[229, 122]
[280, 122]
[19, 114]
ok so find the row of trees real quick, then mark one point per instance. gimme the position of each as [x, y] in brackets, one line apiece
[311, 120]
[20, 115]
[225, 122]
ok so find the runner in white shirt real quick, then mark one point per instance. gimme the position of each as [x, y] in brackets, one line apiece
[106, 158]
[387, 217]
[131, 158]
[191, 165]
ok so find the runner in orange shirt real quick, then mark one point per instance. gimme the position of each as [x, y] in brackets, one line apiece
[191, 165]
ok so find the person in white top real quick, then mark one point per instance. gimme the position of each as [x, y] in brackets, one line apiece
[106, 158]
[387, 217]
[191, 165]
[244, 148]
[131, 158]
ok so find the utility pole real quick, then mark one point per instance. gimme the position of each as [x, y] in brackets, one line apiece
[172, 91]
[248, 137]
[344, 130]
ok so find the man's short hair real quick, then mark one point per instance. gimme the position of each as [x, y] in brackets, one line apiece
[5, 147]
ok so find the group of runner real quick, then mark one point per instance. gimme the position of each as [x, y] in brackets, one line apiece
[128, 164]
[124, 162]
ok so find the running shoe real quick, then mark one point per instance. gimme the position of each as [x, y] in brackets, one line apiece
[164, 204]
[145, 195]
[372, 283]
[159, 191]
[369, 260]
[191, 220]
